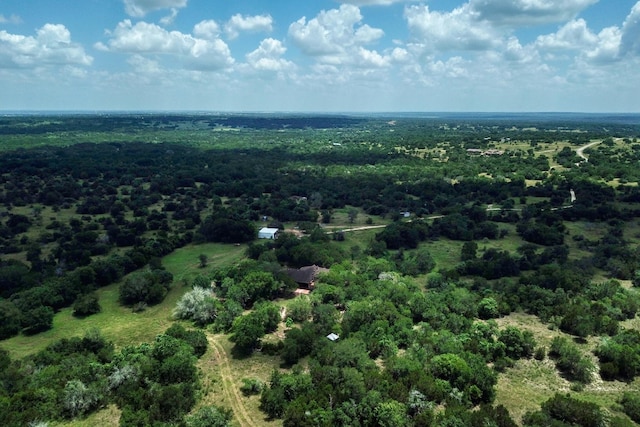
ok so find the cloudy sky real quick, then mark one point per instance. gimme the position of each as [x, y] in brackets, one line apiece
[320, 55]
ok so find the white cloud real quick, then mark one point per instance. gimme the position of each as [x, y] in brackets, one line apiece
[268, 56]
[145, 38]
[13, 19]
[373, 2]
[459, 29]
[573, 35]
[207, 30]
[630, 43]
[513, 13]
[515, 52]
[333, 32]
[576, 36]
[168, 20]
[239, 23]
[139, 8]
[144, 65]
[607, 49]
[52, 45]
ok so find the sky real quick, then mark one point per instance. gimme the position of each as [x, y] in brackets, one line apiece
[320, 55]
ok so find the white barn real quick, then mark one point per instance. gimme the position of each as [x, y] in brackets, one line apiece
[268, 233]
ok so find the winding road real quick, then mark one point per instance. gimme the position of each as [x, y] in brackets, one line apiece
[580, 150]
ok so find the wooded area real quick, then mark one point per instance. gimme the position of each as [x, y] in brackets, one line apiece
[435, 232]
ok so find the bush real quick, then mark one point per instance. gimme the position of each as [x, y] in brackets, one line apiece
[631, 405]
[564, 410]
[251, 386]
[210, 416]
[150, 287]
[570, 361]
[300, 309]
[38, 320]
[86, 305]
[199, 305]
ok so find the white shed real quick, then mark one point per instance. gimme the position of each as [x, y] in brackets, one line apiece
[268, 233]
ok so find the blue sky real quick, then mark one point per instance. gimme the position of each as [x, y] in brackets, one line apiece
[320, 55]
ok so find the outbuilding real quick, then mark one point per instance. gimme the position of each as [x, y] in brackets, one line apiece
[268, 233]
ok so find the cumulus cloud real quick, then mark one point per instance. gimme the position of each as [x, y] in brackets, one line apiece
[630, 42]
[144, 65]
[333, 32]
[145, 38]
[51, 45]
[515, 52]
[268, 56]
[576, 36]
[13, 19]
[208, 29]
[239, 23]
[372, 2]
[139, 8]
[528, 12]
[337, 38]
[459, 29]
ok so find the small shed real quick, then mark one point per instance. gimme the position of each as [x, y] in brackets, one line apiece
[333, 337]
[268, 233]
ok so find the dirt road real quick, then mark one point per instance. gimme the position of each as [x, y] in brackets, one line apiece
[580, 150]
[229, 386]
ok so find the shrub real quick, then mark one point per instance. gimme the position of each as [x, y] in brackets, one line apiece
[86, 305]
[199, 305]
[631, 406]
[251, 386]
[150, 287]
[570, 361]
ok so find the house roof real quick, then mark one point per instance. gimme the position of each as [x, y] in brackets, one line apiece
[305, 275]
[268, 230]
[333, 337]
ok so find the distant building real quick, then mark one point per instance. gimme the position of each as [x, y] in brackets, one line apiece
[305, 277]
[489, 152]
[333, 337]
[268, 233]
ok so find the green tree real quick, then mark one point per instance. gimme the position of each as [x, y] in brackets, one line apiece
[631, 405]
[468, 251]
[203, 260]
[246, 332]
[37, 320]
[86, 305]
[488, 308]
[210, 416]
[299, 309]
[10, 319]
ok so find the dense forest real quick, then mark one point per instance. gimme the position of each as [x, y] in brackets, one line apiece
[432, 234]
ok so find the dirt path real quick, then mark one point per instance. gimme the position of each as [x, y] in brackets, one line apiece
[580, 150]
[229, 386]
[373, 227]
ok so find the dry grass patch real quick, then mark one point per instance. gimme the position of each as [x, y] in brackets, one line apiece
[109, 416]
[530, 382]
[222, 378]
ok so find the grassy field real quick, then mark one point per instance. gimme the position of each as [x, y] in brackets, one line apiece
[119, 324]
[530, 382]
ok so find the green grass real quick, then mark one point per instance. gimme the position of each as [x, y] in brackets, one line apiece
[119, 324]
[530, 382]
[184, 263]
